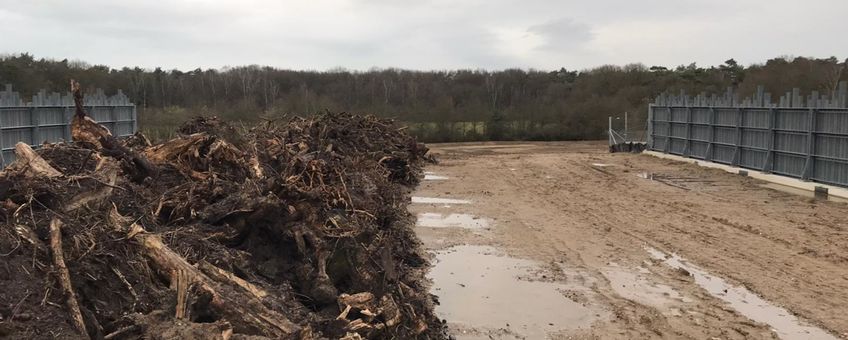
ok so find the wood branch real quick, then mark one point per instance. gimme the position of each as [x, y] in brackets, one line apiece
[107, 171]
[229, 299]
[234, 305]
[65, 275]
[27, 234]
[179, 152]
[223, 276]
[171, 150]
[97, 137]
[181, 285]
[83, 128]
[29, 163]
[121, 331]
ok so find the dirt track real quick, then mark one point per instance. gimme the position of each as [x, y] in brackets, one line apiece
[586, 219]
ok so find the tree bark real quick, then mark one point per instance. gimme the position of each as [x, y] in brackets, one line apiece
[64, 275]
[228, 297]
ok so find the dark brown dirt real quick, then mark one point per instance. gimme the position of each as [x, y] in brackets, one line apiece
[312, 211]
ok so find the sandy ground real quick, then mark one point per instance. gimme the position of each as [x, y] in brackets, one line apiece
[573, 219]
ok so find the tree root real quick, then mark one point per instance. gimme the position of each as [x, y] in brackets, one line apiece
[96, 137]
[228, 297]
[30, 164]
[65, 275]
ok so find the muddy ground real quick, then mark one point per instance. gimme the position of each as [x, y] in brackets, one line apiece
[564, 240]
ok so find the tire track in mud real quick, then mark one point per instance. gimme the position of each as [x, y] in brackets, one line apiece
[742, 255]
[640, 321]
[589, 217]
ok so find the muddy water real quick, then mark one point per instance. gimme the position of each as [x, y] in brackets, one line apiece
[786, 325]
[802, 192]
[436, 220]
[438, 200]
[481, 289]
[645, 175]
[637, 286]
[433, 177]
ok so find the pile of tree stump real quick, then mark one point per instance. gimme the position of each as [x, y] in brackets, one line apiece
[294, 229]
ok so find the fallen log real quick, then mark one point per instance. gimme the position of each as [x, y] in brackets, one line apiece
[64, 276]
[228, 298]
[30, 164]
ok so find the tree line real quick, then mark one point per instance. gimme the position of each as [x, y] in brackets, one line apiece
[449, 105]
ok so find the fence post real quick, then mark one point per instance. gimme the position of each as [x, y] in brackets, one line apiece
[2, 152]
[768, 165]
[737, 154]
[113, 117]
[650, 136]
[710, 147]
[36, 122]
[687, 150]
[810, 164]
[668, 120]
[135, 121]
[67, 121]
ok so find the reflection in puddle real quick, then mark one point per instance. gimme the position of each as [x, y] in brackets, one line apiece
[437, 200]
[637, 287]
[601, 165]
[479, 289]
[428, 177]
[802, 192]
[435, 220]
[786, 325]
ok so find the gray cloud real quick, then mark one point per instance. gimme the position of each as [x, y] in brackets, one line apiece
[423, 34]
[563, 33]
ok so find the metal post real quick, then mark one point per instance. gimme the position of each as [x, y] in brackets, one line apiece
[609, 132]
[67, 121]
[810, 163]
[768, 165]
[114, 117]
[650, 126]
[737, 154]
[625, 126]
[667, 145]
[687, 150]
[2, 156]
[135, 120]
[711, 145]
[36, 121]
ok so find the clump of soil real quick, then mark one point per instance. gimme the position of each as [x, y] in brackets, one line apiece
[292, 230]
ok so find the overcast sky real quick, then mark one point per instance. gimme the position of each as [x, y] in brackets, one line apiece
[422, 34]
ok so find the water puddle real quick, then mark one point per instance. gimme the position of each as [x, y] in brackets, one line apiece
[435, 220]
[601, 165]
[437, 200]
[429, 177]
[480, 289]
[646, 175]
[802, 192]
[637, 287]
[786, 325]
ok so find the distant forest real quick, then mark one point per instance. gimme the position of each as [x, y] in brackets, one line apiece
[456, 105]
